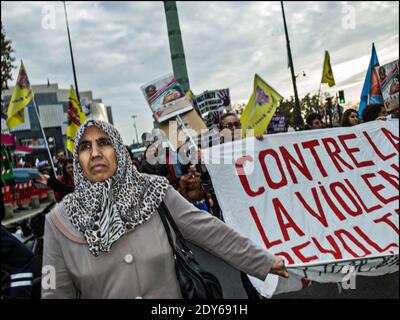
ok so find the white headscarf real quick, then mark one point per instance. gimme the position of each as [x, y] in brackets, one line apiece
[104, 211]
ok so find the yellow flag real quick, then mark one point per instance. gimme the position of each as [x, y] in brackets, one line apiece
[76, 118]
[21, 96]
[327, 74]
[260, 108]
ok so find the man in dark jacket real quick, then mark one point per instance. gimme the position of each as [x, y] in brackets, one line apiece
[18, 262]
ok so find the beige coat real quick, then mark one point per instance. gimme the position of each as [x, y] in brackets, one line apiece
[140, 264]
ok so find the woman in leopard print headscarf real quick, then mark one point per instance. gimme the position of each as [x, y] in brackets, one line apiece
[104, 240]
[104, 210]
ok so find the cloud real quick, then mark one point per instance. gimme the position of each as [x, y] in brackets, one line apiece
[119, 46]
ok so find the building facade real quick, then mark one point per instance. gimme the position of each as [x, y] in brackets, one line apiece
[52, 103]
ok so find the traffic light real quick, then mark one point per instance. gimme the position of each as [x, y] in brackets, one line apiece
[341, 97]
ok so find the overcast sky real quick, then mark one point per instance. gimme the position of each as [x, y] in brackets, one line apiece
[119, 46]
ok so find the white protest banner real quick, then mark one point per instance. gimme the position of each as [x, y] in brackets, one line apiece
[326, 201]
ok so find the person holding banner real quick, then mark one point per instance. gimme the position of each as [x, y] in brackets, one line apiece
[106, 239]
[349, 118]
[313, 121]
[230, 127]
[230, 130]
[190, 188]
[376, 111]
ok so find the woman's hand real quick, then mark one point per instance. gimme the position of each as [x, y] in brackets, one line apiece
[279, 268]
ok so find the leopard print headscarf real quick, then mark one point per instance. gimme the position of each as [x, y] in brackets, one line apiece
[104, 211]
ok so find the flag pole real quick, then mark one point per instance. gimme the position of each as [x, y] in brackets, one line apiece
[319, 93]
[72, 55]
[319, 96]
[44, 136]
[319, 90]
[297, 109]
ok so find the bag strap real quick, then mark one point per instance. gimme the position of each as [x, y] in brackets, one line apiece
[164, 213]
[167, 228]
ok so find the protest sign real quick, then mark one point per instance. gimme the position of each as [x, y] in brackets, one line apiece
[388, 79]
[277, 124]
[166, 98]
[323, 200]
[176, 134]
[214, 100]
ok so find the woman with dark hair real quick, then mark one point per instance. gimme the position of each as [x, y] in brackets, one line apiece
[313, 121]
[373, 112]
[135, 161]
[349, 118]
[67, 177]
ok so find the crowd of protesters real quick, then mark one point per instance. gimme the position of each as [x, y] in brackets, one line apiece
[191, 179]
[350, 117]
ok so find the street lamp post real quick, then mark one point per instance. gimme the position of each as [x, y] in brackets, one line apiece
[134, 124]
[304, 74]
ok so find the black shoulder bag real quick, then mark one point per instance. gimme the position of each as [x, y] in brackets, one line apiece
[194, 281]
